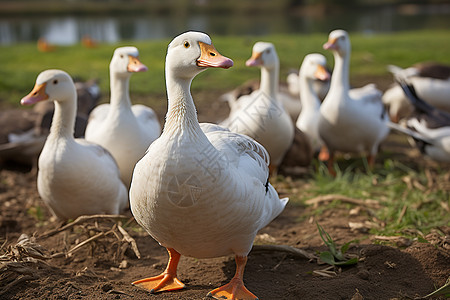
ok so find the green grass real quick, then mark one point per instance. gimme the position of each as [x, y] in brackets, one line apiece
[371, 53]
[411, 205]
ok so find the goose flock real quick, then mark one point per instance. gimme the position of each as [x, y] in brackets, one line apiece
[201, 189]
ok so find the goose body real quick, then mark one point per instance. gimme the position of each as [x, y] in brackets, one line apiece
[124, 130]
[260, 115]
[200, 190]
[75, 177]
[350, 121]
[313, 68]
[432, 142]
[290, 102]
[428, 126]
[431, 82]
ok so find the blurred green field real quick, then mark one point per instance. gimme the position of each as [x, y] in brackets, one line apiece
[21, 63]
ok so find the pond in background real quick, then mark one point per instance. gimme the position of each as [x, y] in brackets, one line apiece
[68, 30]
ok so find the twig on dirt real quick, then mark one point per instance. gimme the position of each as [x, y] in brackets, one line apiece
[419, 186]
[331, 197]
[445, 206]
[443, 290]
[399, 240]
[402, 214]
[75, 248]
[429, 178]
[130, 240]
[327, 272]
[79, 220]
[4, 243]
[57, 255]
[284, 248]
[278, 264]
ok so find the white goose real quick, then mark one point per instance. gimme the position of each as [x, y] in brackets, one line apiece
[23, 131]
[124, 130]
[350, 121]
[75, 177]
[428, 126]
[260, 114]
[314, 67]
[431, 82]
[201, 191]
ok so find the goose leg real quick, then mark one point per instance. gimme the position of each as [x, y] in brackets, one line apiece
[235, 289]
[330, 164]
[371, 160]
[324, 155]
[166, 281]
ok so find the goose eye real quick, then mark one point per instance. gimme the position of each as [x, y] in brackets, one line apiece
[186, 45]
[121, 55]
[55, 81]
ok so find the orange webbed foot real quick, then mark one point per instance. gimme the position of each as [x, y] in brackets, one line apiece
[234, 290]
[167, 281]
[324, 155]
[160, 283]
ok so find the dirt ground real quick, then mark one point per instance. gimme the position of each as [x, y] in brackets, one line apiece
[54, 262]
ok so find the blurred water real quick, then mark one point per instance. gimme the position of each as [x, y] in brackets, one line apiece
[68, 30]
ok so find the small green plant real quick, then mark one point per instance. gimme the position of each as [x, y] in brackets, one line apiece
[37, 213]
[443, 290]
[335, 257]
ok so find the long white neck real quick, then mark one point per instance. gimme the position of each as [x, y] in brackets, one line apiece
[308, 97]
[181, 113]
[269, 81]
[120, 91]
[63, 122]
[340, 79]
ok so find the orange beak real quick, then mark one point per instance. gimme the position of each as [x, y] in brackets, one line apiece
[36, 95]
[255, 60]
[135, 65]
[322, 73]
[210, 57]
[331, 44]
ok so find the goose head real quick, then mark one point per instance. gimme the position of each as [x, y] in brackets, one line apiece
[125, 61]
[191, 53]
[263, 54]
[314, 66]
[53, 85]
[338, 42]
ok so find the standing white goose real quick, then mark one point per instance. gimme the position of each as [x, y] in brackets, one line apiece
[201, 191]
[75, 177]
[260, 114]
[314, 67]
[124, 130]
[350, 120]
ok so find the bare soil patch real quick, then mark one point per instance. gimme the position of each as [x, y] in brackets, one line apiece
[47, 266]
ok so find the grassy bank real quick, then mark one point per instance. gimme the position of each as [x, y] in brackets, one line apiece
[371, 53]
